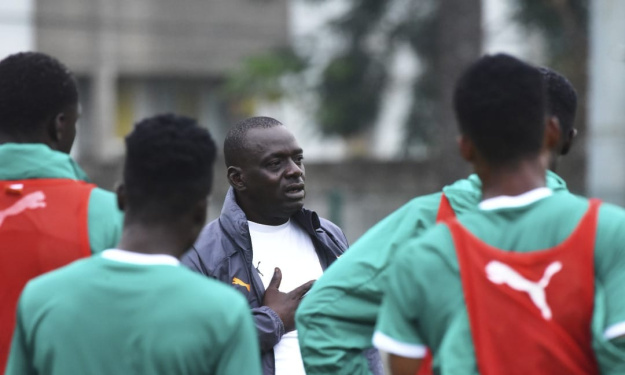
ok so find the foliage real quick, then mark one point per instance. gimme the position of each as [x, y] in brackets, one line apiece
[562, 22]
[261, 75]
[350, 86]
[350, 100]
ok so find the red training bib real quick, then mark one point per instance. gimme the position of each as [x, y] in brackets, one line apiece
[530, 313]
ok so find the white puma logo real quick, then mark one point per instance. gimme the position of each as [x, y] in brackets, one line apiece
[501, 273]
[30, 201]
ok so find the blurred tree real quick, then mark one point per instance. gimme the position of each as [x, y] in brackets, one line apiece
[564, 26]
[260, 77]
[444, 34]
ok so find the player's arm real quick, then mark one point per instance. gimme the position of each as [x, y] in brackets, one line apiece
[610, 269]
[402, 365]
[396, 330]
[20, 360]
[338, 316]
[241, 354]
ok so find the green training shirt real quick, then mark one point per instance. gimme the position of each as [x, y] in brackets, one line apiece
[424, 303]
[21, 161]
[132, 314]
[336, 319]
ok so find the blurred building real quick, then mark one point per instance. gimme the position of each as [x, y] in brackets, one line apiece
[141, 57]
[135, 58]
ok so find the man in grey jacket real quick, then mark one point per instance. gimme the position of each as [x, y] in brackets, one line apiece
[265, 242]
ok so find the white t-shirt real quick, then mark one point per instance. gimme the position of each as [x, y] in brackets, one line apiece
[290, 248]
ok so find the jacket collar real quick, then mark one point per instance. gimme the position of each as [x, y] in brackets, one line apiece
[234, 222]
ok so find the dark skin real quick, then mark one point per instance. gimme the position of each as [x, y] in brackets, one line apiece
[285, 304]
[268, 181]
[269, 176]
[173, 236]
[57, 131]
[511, 179]
[563, 147]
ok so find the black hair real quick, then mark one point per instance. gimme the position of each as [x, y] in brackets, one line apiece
[561, 98]
[234, 143]
[500, 105]
[34, 87]
[168, 167]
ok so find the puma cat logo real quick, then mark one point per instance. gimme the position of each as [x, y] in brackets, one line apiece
[237, 281]
[28, 202]
[500, 273]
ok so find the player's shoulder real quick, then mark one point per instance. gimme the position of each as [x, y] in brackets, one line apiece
[610, 212]
[54, 282]
[464, 194]
[611, 222]
[103, 197]
[424, 208]
[431, 200]
[103, 208]
[435, 241]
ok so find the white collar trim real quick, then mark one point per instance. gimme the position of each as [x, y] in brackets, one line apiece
[125, 256]
[507, 201]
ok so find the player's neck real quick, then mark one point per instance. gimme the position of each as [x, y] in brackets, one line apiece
[153, 239]
[512, 180]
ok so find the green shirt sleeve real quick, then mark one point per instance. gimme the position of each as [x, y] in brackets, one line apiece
[241, 354]
[397, 330]
[104, 220]
[610, 263]
[20, 361]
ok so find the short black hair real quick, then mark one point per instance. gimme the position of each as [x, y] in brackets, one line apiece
[168, 167]
[561, 98]
[34, 87]
[235, 139]
[500, 105]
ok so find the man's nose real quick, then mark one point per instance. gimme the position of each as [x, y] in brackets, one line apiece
[293, 169]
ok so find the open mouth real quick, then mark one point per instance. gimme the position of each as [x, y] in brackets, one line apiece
[295, 191]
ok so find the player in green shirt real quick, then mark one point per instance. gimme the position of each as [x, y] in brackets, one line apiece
[475, 290]
[337, 318]
[135, 310]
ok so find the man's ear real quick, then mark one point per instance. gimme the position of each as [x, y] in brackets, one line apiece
[61, 131]
[552, 133]
[52, 128]
[121, 196]
[569, 137]
[236, 178]
[59, 125]
[466, 147]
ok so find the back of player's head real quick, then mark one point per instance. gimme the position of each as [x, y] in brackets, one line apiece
[34, 87]
[234, 144]
[561, 98]
[168, 167]
[500, 106]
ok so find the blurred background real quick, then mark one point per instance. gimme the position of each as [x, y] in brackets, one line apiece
[365, 85]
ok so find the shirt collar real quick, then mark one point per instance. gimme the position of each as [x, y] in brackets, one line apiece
[125, 256]
[256, 227]
[507, 201]
[22, 161]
